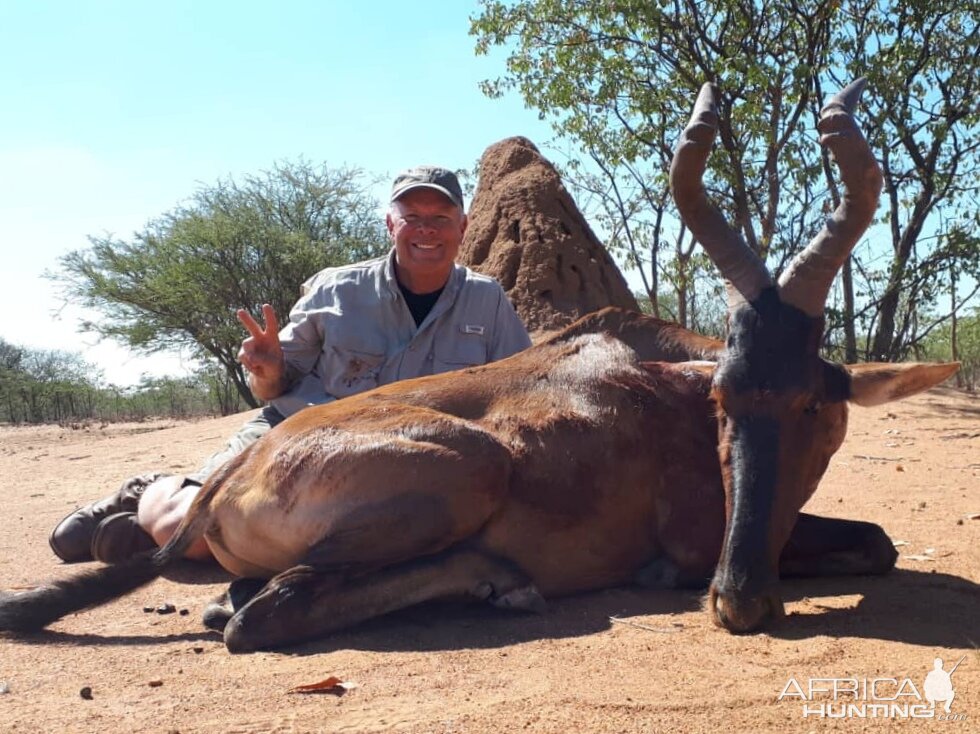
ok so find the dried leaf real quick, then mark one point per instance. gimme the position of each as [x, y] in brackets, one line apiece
[919, 558]
[899, 467]
[900, 543]
[333, 685]
[929, 551]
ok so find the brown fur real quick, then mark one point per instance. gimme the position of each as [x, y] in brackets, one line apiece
[571, 466]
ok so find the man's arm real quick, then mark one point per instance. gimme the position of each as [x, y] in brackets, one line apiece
[509, 333]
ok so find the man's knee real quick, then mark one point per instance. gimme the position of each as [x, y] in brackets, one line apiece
[162, 507]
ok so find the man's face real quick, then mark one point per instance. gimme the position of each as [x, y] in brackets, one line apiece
[427, 229]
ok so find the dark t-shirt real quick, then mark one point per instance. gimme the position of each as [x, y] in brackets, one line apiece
[419, 304]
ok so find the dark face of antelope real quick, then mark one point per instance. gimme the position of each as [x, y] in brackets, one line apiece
[781, 416]
[781, 408]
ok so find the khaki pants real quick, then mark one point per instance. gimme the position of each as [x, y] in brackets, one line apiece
[248, 434]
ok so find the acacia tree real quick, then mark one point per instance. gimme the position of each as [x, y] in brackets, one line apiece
[922, 60]
[617, 78]
[178, 282]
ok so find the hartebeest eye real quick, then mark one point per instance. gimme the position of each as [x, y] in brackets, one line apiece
[813, 407]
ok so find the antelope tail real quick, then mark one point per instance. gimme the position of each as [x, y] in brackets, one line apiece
[29, 611]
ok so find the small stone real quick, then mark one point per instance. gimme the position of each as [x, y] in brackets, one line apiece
[183, 612]
[155, 683]
[198, 650]
[4, 687]
[166, 609]
[86, 693]
[147, 610]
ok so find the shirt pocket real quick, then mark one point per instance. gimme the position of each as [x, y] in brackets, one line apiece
[465, 351]
[347, 371]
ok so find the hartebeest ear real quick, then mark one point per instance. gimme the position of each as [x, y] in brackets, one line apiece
[876, 383]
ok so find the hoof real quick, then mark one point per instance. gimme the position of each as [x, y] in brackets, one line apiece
[243, 590]
[236, 639]
[274, 613]
[216, 615]
[522, 599]
[221, 610]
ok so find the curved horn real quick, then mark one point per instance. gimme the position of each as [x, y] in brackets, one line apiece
[734, 259]
[806, 281]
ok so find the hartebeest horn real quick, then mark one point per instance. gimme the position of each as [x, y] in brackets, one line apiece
[806, 281]
[733, 257]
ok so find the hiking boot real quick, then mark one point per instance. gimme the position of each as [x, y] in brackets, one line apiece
[71, 539]
[119, 537]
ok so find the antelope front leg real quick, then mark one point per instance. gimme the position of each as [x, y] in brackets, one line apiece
[824, 546]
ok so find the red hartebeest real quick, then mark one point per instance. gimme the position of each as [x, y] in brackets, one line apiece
[623, 448]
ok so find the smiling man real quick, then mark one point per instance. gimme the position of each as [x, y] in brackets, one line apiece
[412, 313]
[426, 222]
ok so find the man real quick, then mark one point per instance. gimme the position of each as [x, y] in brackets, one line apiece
[414, 312]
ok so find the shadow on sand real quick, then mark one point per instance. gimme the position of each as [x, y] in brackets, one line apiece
[916, 608]
[949, 402]
[913, 607]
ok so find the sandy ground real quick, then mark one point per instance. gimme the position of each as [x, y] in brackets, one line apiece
[913, 467]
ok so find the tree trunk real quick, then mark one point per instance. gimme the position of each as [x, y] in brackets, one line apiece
[953, 322]
[241, 384]
[884, 346]
[654, 278]
[850, 338]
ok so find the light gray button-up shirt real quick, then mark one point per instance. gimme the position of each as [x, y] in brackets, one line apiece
[351, 331]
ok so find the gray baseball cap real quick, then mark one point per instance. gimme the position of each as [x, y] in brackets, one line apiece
[428, 177]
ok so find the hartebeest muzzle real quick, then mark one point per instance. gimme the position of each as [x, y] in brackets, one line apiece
[742, 613]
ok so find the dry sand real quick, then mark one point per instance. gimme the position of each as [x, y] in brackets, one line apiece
[913, 467]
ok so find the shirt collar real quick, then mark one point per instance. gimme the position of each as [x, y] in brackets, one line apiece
[455, 282]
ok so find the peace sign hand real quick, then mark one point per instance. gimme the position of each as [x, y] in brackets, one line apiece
[261, 353]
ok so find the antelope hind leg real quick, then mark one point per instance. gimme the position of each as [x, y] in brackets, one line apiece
[824, 546]
[364, 539]
[305, 603]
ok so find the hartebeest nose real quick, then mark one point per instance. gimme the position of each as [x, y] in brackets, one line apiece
[744, 613]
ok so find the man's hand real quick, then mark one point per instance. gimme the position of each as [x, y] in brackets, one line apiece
[261, 354]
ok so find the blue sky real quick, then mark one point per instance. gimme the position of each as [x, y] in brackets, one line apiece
[114, 112]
